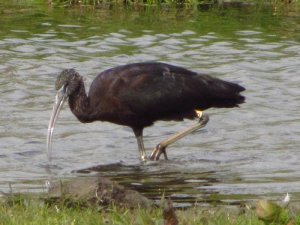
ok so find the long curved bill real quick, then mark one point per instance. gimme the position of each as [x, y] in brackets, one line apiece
[60, 99]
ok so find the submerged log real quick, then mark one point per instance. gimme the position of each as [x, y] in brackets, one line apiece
[97, 191]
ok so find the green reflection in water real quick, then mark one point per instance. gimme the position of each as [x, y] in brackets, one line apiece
[40, 18]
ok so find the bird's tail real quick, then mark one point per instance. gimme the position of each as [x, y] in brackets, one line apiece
[224, 94]
[227, 94]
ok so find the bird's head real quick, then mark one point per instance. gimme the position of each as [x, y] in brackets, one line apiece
[68, 81]
[66, 84]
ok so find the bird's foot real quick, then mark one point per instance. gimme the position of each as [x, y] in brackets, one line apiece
[161, 147]
[144, 158]
[157, 151]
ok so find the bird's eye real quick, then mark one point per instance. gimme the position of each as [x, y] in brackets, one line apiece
[65, 88]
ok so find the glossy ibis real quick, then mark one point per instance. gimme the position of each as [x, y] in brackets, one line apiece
[136, 95]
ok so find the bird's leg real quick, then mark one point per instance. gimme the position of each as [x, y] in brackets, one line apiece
[161, 147]
[138, 132]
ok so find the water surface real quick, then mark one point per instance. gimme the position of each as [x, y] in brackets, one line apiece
[242, 153]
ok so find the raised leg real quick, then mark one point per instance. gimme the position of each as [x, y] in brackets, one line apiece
[161, 147]
[138, 132]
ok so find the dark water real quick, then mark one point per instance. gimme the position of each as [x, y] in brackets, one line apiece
[242, 153]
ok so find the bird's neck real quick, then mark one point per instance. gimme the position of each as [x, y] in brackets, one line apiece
[79, 104]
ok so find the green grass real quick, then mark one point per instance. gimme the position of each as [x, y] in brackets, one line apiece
[38, 213]
[158, 2]
[27, 211]
[32, 210]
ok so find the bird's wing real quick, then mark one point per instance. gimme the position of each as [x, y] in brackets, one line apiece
[160, 91]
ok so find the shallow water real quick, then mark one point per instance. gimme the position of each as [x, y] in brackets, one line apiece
[242, 153]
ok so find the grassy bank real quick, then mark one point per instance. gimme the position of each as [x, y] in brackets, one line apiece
[34, 211]
[277, 7]
[37, 213]
[205, 3]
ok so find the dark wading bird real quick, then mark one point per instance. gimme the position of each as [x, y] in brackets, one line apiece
[136, 95]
